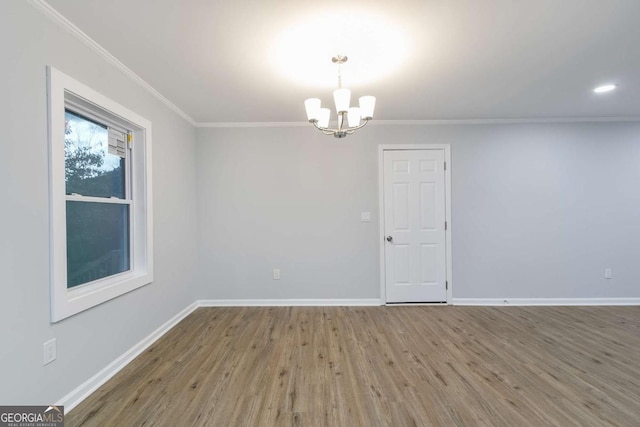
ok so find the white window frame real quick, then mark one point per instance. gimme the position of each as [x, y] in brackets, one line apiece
[63, 91]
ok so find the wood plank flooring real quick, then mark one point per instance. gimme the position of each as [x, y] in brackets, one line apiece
[382, 366]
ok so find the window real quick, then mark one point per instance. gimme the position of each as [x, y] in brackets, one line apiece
[100, 192]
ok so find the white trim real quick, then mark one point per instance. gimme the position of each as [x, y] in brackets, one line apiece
[252, 124]
[66, 302]
[522, 120]
[413, 304]
[443, 122]
[287, 302]
[545, 301]
[63, 22]
[91, 199]
[72, 399]
[447, 177]
[381, 233]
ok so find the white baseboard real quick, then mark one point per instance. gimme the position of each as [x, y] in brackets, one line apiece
[545, 301]
[83, 391]
[286, 302]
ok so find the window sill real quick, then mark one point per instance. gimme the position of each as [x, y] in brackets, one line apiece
[74, 301]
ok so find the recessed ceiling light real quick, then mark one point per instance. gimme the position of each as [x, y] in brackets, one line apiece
[605, 88]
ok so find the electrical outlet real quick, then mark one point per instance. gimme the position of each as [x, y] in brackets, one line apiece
[276, 274]
[49, 349]
[365, 216]
[608, 273]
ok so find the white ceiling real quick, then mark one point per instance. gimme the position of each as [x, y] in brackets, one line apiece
[467, 59]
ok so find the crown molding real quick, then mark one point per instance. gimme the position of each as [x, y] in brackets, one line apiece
[443, 122]
[251, 124]
[524, 120]
[63, 22]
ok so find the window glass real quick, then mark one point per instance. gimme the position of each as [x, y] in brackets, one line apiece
[90, 168]
[97, 241]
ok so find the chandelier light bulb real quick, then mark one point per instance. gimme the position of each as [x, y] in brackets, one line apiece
[323, 119]
[367, 105]
[353, 117]
[342, 98]
[312, 105]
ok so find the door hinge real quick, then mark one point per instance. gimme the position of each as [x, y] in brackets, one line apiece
[129, 140]
[445, 226]
[446, 285]
[445, 165]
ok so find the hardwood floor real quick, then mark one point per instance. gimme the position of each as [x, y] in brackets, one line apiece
[382, 366]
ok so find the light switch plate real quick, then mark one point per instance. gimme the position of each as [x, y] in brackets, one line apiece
[365, 216]
[276, 274]
[608, 273]
[49, 349]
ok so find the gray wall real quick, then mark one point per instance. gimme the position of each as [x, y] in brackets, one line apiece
[88, 341]
[538, 210]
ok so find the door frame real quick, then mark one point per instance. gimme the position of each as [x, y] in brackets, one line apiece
[447, 184]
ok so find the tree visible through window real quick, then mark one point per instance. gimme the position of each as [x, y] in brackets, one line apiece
[97, 230]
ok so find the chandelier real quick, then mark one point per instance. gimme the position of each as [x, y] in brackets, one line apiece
[353, 117]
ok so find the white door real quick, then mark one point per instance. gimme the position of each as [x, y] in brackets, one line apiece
[414, 225]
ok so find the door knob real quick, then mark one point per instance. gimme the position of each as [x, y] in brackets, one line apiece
[389, 238]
